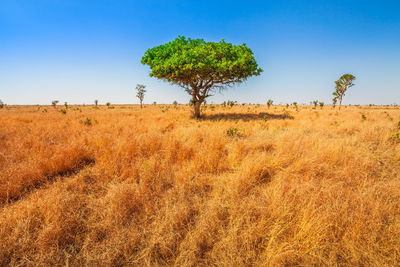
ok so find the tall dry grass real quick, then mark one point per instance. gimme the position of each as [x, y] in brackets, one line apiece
[244, 186]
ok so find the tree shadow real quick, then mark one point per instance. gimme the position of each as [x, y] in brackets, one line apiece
[246, 116]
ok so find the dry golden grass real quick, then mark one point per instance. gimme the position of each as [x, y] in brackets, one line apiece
[154, 187]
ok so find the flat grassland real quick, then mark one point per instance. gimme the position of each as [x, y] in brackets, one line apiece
[245, 185]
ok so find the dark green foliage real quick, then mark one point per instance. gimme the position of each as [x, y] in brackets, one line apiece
[201, 67]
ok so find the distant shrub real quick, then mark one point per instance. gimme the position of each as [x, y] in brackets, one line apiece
[44, 110]
[286, 114]
[63, 111]
[88, 122]
[1, 104]
[321, 104]
[232, 132]
[231, 103]
[54, 103]
[265, 118]
[212, 107]
[363, 117]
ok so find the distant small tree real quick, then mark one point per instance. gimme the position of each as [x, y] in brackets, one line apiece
[295, 105]
[321, 104]
[54, 103]
[96, 102]
[154, 103]
[231, 103]
[224, 103]
[175, 103]
[1, 104]
[269, 103]
[315, 102]
[108, 104]
[66, 105]
[140, 93]
[344, 83]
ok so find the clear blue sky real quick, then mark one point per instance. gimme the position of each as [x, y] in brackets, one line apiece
[78, 51]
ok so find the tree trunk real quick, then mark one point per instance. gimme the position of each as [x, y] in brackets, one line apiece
[340, 103]
[197, 109]
[141, 105]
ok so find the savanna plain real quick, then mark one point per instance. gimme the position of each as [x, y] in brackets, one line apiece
[245, 185]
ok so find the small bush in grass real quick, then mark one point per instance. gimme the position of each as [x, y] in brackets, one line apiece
[363, 117]
[63, 111]
[232, 132]
[88, 122]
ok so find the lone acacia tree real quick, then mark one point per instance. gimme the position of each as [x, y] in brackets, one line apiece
[344, 83]
[201, 67]
[140, 93]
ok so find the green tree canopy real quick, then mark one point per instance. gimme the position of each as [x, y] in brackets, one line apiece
[344, 83]
[201, 67]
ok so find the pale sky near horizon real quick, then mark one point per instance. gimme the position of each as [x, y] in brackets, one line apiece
[79, 51]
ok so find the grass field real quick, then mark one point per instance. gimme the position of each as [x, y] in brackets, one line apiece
[243, 186]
